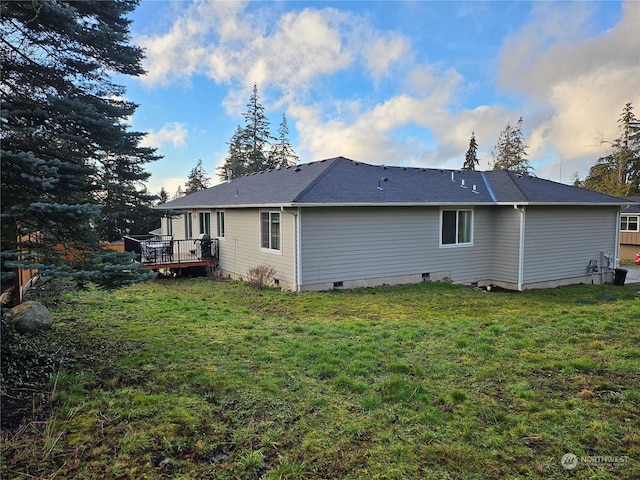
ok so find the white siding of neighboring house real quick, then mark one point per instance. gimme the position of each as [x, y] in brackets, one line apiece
[368, 246]
[560, 241]
[240, 249]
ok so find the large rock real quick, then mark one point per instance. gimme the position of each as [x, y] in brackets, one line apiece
[29, 317]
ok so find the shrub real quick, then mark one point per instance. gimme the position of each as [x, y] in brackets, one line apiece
[261, 276]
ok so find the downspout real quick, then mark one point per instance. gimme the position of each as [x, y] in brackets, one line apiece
[520, 246]
[617, 244]
[299, 249]
[296, 247]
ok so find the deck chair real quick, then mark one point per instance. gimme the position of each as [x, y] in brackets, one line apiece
[167, 251]
[149, 255]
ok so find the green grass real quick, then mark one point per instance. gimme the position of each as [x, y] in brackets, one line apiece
[190, 378]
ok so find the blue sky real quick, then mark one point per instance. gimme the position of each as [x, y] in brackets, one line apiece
[399, 83]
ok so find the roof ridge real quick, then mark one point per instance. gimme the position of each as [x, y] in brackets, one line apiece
[313, 183]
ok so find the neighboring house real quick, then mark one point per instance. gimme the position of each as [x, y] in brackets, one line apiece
[339, 223]
[630, 229]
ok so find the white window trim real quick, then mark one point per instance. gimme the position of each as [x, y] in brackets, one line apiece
[270, 250]
[456, 245]
[224, 230]
[627, 221]
[202, 221]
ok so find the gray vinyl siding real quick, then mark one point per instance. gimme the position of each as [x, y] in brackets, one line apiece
[349, 244]
[549, 232]
[506, 245]
[240, 249]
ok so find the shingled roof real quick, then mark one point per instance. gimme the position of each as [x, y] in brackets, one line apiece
[633, 205]
[342, 182]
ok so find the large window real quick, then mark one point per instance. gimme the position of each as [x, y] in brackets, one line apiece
[629, 223]
[456, 227]
[205, 222]
[270, 230]
[220, 224]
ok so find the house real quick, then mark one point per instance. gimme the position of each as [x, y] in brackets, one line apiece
[340, 223]
[630, 229]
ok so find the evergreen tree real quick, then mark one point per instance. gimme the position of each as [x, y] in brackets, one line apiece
[250, 145]
[197, 180]
[235, 161]
[66, 150]
[618, 173]
[126, 204]
[163, 196]
[179, 193]
[471, 157]
[510, 152]
[282, 153]
[256, 136]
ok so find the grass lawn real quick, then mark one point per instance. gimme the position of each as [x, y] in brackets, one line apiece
[192, 378]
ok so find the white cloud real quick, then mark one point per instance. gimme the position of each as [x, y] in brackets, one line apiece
[184, 49]
[173, 133]
[223, 41]
[583, 83]
[574, 85]
[382, 53]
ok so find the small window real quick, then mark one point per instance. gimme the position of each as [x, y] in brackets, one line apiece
[220, 224]
[170, 226]
[629, 223]
[189, 225]
[205, 222]
[270, 230]
[456, 227]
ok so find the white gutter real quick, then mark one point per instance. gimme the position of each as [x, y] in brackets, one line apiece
[394, 204]
[521, 246]
[617, 244]
[299, 250]
[296, 247]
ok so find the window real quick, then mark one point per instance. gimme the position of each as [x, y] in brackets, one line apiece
[270, 230]
[220, 224]
[456, 227]
[205, 222]
[189, 225]
[170, 226]
[629, 223]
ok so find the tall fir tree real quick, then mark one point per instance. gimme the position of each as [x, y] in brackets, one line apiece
[250, 146]
[282, 153]
[618, 173]
[235, 162]
[510, 152]
[256, 136]
[197, 179]
[66, 150]
[471, 157]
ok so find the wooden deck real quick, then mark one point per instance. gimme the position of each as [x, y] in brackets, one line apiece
[183, 264]
[161, 253]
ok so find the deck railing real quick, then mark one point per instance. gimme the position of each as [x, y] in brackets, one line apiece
[154, 250]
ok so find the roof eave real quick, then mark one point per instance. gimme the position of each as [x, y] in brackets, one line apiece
[391, 204]
[561, 204]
